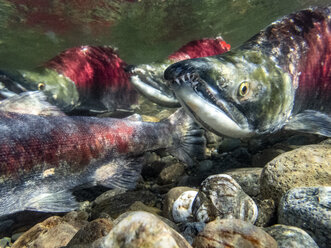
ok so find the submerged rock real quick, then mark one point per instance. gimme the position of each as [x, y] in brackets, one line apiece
[221, 196]
[171, 173]
[303, 167]
[248, 179]
[171, 197]
[191, 229]
[182, 207]
[291, 237]
[267, 212]
[90, 232]
[223, 233]
[5, 242]
[309, 209]
[53, 232]
[117, 203]
[142, 229]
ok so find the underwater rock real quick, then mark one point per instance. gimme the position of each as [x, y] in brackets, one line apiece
[303, 167]
[129, 213]
[222, 233]
[247, 178]
[171, 197]
[182, 207]
[116, 204]
[191, 229]
[140, 206]
[290, 237]
[221, 196]
[267, 212]
[142, 229]
[310, 209]
[171, 173]
[53, 232]
[90, 232]
[5, 242]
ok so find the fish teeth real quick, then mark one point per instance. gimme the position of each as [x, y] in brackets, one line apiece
[195, 83]
[177, 81]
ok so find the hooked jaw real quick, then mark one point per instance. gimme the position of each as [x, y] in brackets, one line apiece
[150, 83]
[203, 101]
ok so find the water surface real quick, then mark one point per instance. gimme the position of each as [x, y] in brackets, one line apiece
[33, 31]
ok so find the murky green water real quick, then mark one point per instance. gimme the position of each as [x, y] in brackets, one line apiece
[33, 31]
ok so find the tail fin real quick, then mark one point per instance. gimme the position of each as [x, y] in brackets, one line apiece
[190, 143]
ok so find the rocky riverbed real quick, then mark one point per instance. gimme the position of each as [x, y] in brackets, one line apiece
[268, 192]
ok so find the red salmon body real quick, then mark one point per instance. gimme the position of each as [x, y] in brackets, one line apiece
[43, 158]
[99, 75]
[301, 45]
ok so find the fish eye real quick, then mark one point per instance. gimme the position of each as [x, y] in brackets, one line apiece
[243, 89]
[41, 86]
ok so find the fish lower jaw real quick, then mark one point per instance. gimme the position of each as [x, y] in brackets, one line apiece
[153, 94]
[212, 118]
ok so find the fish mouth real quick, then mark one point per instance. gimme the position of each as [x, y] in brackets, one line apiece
[209, 109]
[153, 88]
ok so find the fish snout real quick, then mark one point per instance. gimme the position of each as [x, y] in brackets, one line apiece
[176, 71]
[130, 69]
[186, 70]
[197, 66]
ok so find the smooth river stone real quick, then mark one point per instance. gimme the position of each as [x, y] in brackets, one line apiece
[90, 233]
[182, 207]
[221, 196]
[142, 229]
[171, 197]
[307, 166]
[291, 237]
[224, 233]
[53, 232]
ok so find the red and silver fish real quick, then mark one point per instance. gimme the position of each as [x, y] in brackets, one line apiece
[280, 78]
[148, 78]
[80, 80]
[44, 158]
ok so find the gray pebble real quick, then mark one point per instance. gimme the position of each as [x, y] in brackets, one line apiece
[290, 237]
[309, 209]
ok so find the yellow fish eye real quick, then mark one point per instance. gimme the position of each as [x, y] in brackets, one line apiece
[243, 89]
[41, 86]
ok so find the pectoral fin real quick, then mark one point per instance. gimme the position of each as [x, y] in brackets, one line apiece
[310, 121]
[120, 173]
[61, 201]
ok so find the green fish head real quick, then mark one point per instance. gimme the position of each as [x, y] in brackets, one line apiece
[59, 89]
[236, 94]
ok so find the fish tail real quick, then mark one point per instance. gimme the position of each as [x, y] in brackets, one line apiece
[189, 141]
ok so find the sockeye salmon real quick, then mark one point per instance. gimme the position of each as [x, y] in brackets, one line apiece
[44, 158]
[280, 78]
[148, 78]
[85, 80]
